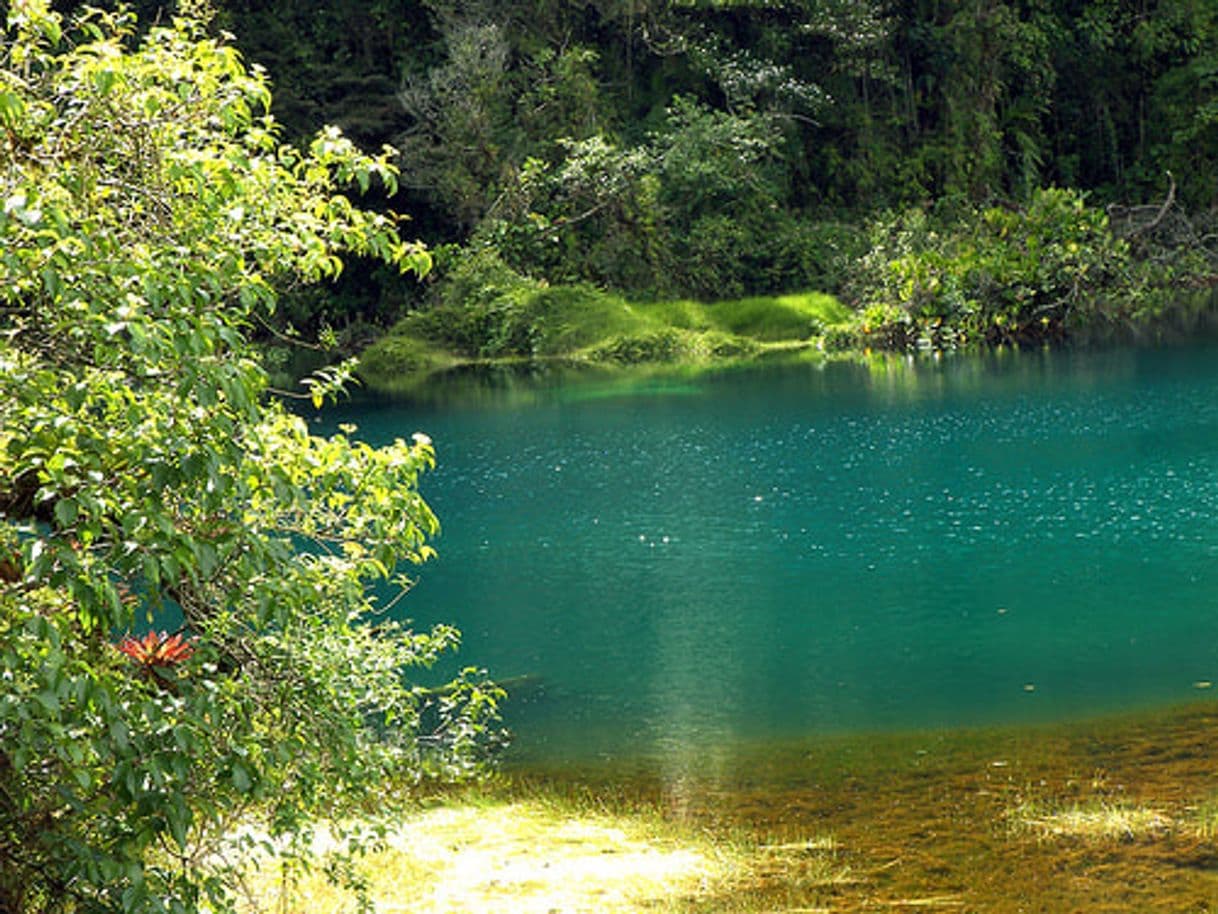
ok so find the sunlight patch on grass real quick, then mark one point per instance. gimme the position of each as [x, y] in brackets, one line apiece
[521, 857]
[767, 318]
[1099, 820]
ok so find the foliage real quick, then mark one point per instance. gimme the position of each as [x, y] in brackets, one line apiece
[763, 318]
[396, 357]
[671, 344]
[461, 113]
[665, 345]
[875, 104]
[150, 213]
[998, 274]
[489, 102]
[483, 310]
[697, 209]
[720, 149]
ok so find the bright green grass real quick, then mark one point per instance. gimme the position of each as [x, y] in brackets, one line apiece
[586, 324]
[762, 318]
[570, 319]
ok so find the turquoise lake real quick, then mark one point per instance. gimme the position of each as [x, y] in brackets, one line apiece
[683, 566]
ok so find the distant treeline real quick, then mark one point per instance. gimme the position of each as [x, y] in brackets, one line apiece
[725, 147]
[867, 103]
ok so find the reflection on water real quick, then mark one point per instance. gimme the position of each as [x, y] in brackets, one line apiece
[700, 562]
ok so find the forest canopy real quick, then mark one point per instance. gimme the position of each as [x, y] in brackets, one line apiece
[719, 148]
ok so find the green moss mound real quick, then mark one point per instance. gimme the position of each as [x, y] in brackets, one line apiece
[484, 312]
[671, 344]
[774, 318]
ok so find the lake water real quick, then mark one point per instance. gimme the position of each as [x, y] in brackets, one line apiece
[684, 566]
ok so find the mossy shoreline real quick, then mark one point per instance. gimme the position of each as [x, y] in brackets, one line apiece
[583, 331]
[581, 325]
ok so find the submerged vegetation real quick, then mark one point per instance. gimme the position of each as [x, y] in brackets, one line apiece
[994, 821]
[513, 852]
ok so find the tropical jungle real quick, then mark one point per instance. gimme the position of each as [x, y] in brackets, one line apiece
[608, 455]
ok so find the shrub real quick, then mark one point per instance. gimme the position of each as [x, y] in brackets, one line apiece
[481, 308]
[696, 209]
[665, 345]
[999, 273]
[148, 475]
[840, 339]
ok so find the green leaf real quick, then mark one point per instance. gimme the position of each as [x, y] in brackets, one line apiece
[12, 110]
[103, 81]
[240, 778]
[66, 512]
[49, 700]
[178, 817]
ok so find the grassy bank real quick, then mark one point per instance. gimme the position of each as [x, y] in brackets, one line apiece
[1108, 815]
[1050, 271]
[532, 321]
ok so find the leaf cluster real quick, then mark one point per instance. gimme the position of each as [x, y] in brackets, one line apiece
[998, 274]
[151, 214]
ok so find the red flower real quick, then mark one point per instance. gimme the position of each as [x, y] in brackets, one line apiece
[156, 649]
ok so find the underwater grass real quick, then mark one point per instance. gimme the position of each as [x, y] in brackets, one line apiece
[1115, 814]
[1093, 820]
[1202, 819]
[516, 849]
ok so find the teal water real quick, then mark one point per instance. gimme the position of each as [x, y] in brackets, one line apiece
[688, 566]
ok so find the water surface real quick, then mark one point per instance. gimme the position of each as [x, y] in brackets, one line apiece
[690, 565]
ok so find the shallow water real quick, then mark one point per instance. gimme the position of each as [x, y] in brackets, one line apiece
[690, 566]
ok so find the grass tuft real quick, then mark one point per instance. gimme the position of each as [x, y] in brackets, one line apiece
[1094, 820]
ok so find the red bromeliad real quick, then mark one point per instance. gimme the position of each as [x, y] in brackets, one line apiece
[156, 649]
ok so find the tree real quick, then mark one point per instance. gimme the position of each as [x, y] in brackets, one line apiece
[696, 209]
[149, 477]
[462, 130]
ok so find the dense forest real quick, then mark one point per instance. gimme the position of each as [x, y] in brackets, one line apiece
[713, 149]
[834, 107]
